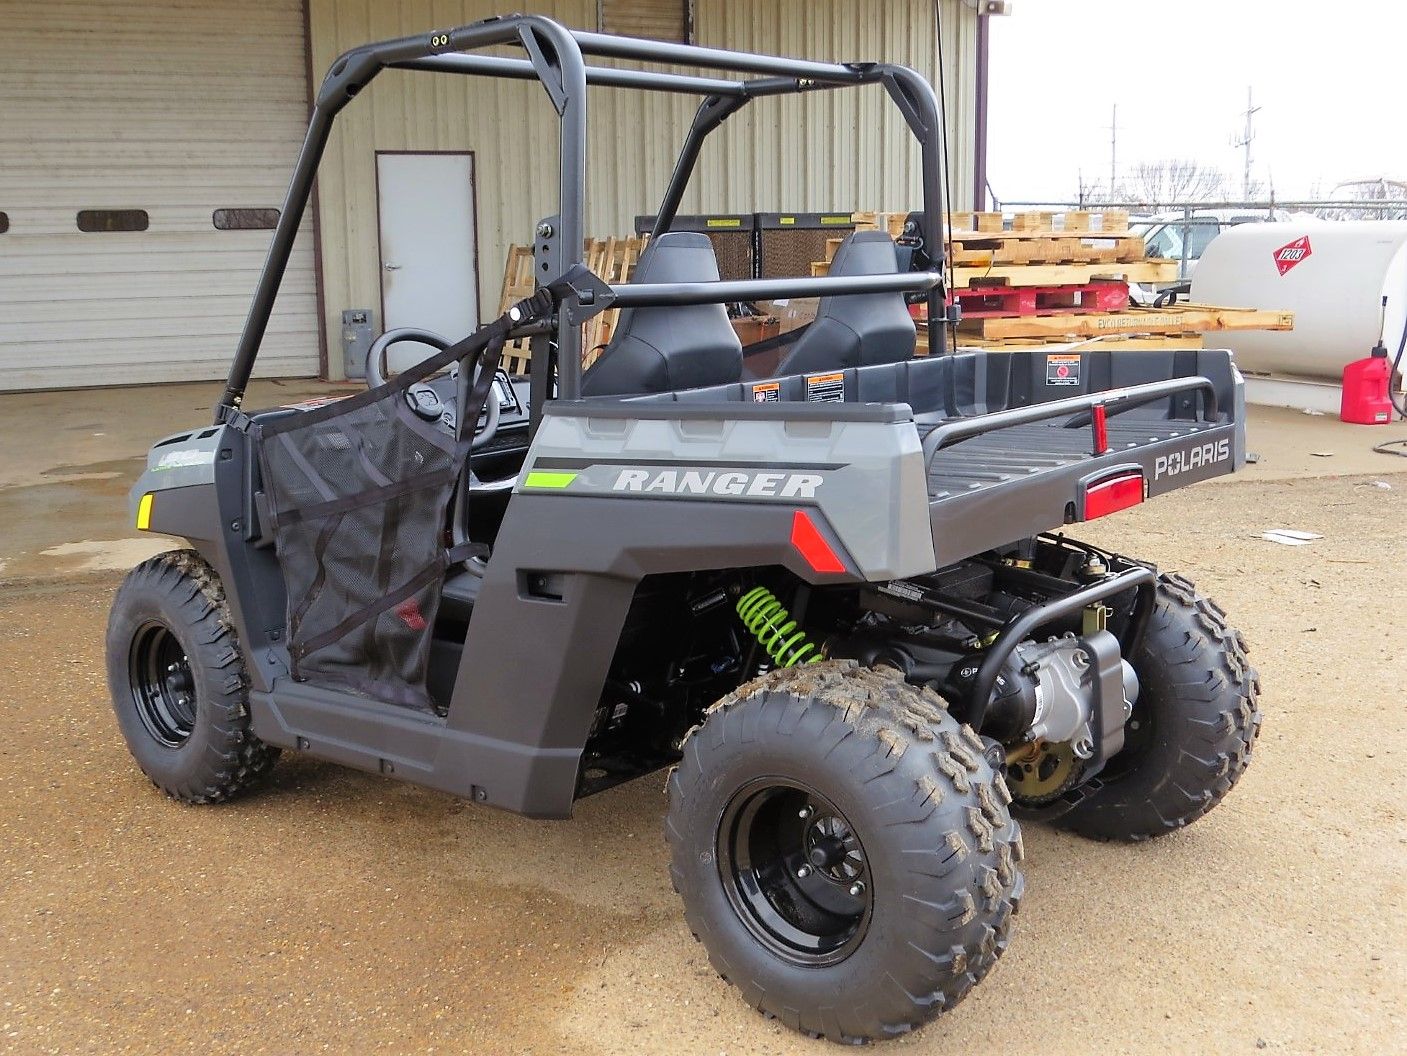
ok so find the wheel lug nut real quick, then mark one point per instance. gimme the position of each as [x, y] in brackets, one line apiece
[803, 872]
[857, 888]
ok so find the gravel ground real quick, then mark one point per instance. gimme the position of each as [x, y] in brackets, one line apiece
[335, 912]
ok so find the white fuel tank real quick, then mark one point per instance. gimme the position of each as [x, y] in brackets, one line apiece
[1333, 276]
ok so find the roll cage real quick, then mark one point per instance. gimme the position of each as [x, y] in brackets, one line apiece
[555, 58]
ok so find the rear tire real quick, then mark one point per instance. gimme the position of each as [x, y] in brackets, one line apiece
[1192, 731]
[178, 681]
[910, 855]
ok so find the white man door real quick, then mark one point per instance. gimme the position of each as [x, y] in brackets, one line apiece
[429, 259]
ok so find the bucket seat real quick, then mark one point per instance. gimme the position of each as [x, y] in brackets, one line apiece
[859, 330]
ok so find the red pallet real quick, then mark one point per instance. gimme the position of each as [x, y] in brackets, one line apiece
[987, 302]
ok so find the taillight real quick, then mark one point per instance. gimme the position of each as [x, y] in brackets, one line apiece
[1112, 494]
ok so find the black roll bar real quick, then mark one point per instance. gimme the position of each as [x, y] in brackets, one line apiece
[554, 57]
[605, 76]
[656, 294]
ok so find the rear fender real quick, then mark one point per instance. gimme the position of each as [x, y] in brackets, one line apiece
[613, 492]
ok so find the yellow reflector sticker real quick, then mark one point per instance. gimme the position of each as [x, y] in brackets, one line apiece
[144, 512]
[724, 221]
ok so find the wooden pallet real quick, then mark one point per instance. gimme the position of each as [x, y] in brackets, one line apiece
[1114, 343]
[983, 302]
[1025, 224]
[1075, 274]
[1110, 343]
[519, 283]
[1084, 220]
[891, 222]
[1179, 319]
[1152, 271]
[975, 251]
[612, 259]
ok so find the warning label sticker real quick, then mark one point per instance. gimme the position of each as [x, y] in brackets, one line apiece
[1062, 368]
[825, 388]
[767, 392]
[1291, 253]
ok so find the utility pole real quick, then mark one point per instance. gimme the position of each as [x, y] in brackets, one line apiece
[1244, 143]
[1113, 149]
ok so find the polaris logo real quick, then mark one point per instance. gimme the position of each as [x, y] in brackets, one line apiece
[1193, 458]
[713, 482]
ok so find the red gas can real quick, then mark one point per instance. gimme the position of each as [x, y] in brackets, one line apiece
[1365, 391]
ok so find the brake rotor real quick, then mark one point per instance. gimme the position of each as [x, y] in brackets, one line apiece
[1039, 772]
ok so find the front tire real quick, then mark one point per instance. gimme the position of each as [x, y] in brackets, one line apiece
[1192, 731]
[844, 850]
[178, 681]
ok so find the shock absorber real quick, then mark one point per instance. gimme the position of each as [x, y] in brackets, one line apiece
[767, 621]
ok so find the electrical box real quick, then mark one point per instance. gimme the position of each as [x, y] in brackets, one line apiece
[357, 335]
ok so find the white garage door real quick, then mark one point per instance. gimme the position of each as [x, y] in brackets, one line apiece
[118, 115]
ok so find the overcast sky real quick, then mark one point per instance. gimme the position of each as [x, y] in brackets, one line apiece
[1331, 78]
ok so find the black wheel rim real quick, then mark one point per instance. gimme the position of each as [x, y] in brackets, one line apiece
[163, 687]
[795, 871]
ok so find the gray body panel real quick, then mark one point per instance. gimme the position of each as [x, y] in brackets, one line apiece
[865, 479]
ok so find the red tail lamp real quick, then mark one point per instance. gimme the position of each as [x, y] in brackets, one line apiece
[1112, 494]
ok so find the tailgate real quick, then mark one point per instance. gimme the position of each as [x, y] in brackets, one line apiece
[1000, 477]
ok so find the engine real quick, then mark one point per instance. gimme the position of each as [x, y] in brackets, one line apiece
[1060, 699]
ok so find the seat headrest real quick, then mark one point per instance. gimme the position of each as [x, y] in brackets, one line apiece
[866, 253]
[678, 256]
[856, 330]
[663, 349]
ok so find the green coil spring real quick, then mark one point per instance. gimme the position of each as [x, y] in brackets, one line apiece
[765, 618]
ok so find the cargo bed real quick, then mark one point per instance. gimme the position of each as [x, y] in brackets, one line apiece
[1009, 442]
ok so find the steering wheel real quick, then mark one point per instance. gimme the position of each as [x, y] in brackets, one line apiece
[437, 400]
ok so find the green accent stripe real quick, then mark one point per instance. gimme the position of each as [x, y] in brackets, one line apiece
[539, 479]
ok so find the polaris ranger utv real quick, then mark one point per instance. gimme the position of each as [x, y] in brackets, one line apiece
[828, 600]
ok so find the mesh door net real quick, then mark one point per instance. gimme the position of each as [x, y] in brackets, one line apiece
[359, 491]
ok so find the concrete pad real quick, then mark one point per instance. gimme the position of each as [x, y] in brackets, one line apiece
[68, 459]
[1293, 444]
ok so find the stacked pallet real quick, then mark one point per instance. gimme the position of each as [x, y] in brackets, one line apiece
[1047, 277]
[611, 259]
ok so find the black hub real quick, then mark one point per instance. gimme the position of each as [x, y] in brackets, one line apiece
[795, 871]
[163, 687]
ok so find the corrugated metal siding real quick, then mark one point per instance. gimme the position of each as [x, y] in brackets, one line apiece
[173, 107]
[831, 150]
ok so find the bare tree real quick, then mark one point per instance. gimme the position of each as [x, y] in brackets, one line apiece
[1173, 180]
[1367, 192]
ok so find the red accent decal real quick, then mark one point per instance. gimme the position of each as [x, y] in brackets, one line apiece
[1291, 253]
[1099, 419]
[1112, 495]
[812, 545]
[410, 614]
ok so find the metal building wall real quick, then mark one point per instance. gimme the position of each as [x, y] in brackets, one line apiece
[829, 151]
[170, 107]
